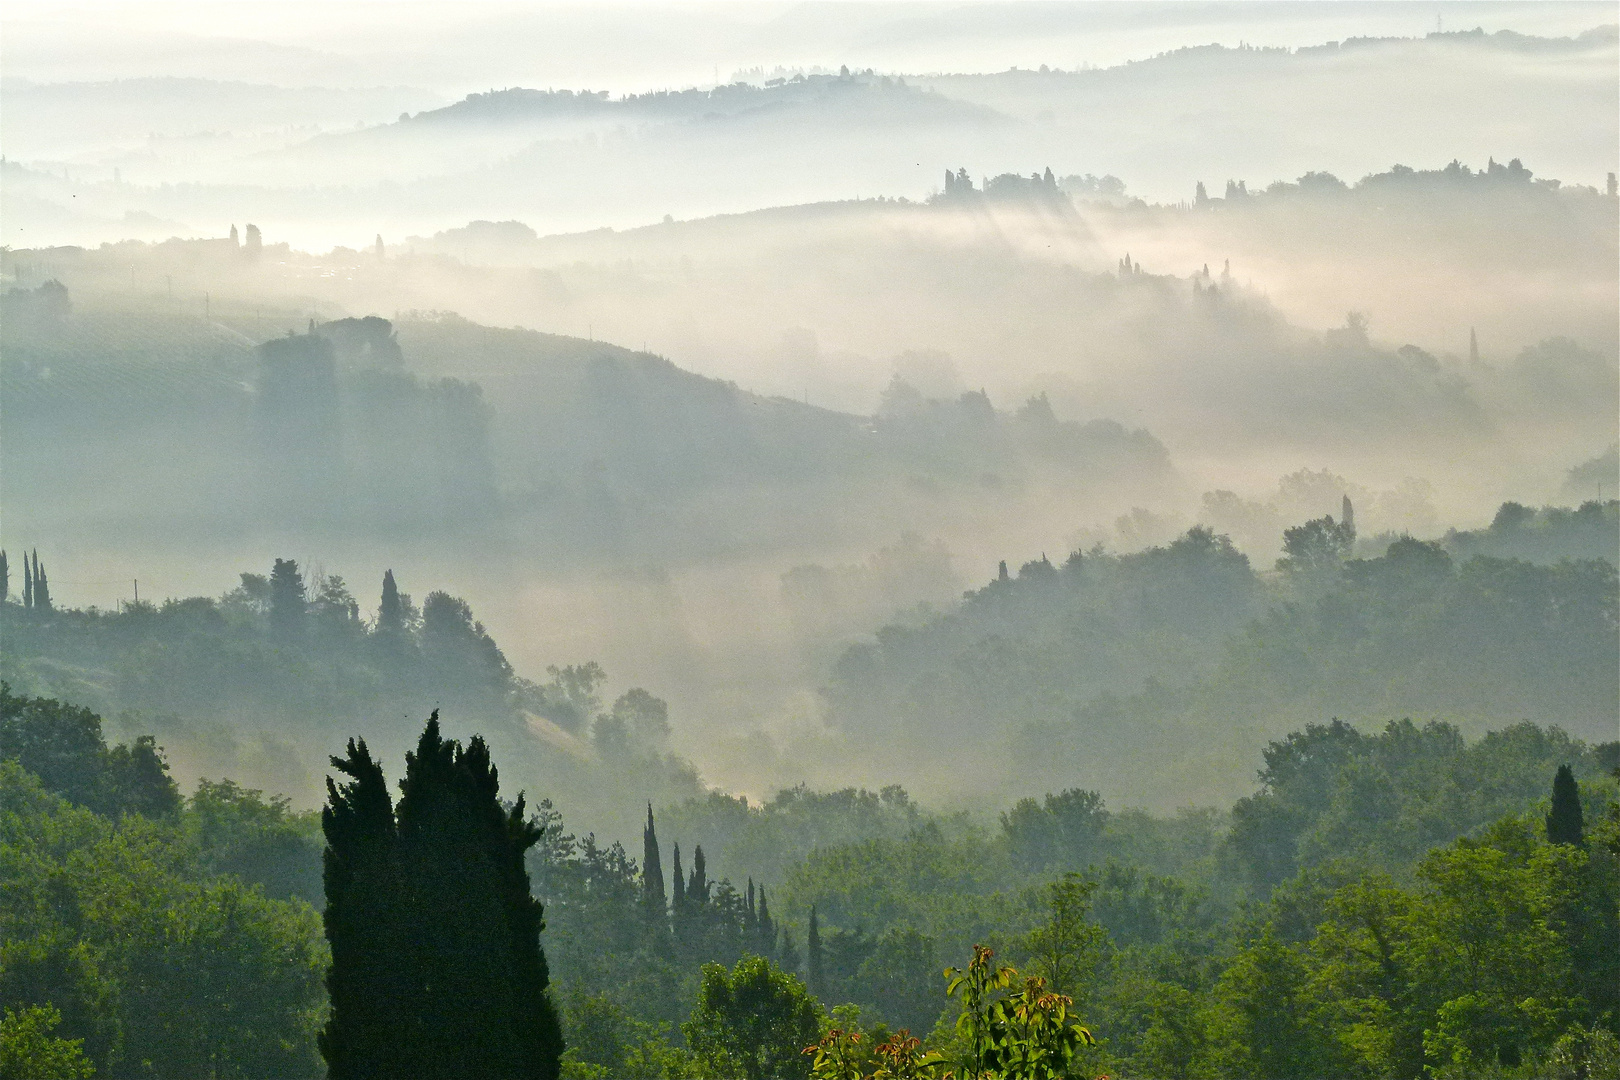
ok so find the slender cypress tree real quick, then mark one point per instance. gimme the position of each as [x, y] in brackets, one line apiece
[364, 925]
[5, 578]
[433, 892]
[697, 886]
[42, 586]
[814, 972]
[1565, 824]
[28, 582]
[652, 869]
[678, 902]
[765, 930]
[390, 613]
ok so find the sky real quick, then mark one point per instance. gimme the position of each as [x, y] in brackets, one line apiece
[459, 48]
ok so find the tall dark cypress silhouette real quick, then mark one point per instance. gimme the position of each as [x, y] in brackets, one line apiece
[652, 869]
[390, 613]
[815, 974]
[697, 886]
[5, 578]
[678, 884]
[42, 586]
[365, 925]
[28, 582]
[288, 601]
[460, 983]
[1565, 823]
[765, 929]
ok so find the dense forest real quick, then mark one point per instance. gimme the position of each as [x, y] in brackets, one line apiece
[1051, 671]
[1398, 903]
[1421, 893]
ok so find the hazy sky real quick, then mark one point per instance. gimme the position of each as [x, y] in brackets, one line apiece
[463, 47]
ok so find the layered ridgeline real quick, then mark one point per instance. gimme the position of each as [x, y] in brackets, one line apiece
[1139, 670]
[569, 158]
[561, 448]
[268, 680]
[1392, 903]
[1151, 676]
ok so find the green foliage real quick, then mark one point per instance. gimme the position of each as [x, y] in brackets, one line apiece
[62, 745]
[1066, 949]
[1009, 1031]
[1318, 546]
[605, 1042]
[1136, 667]
[1550, 534]
[158, 966]
[224, 982]
[262, 841]
[851, 1054]
[28, 1050]
[1331, 792]
[756, 1019]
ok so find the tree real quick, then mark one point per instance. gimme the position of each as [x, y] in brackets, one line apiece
[1564, 822]
[390, 613]
[62, 745]
[5, 578]
[1067, 947]
[1319, 544]
[222, 985]
[652, 870]
[901, 977]
[1264, 1019]
[28, 582]
[755, 1018]
[364, 924]
[437, 969]
[42, 587]
[1026, 1033]
[677, 902]
[28, 1050]
[1064, 833]
[697, 886]
[288, 600]
[814, 960]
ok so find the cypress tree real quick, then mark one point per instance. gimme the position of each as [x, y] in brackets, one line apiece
[390, 613]
[28, 582]
[364, 924]
[288, 602]
[5, 578]
[697, 886]
[678, 903]
[652, 869]
[765, 932]
[42, 586]
[441, 973]
[813, 968]
[1565, 824]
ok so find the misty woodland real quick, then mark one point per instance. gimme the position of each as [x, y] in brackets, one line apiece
[899, 542]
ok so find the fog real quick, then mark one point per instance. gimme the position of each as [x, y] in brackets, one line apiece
[734, 373]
